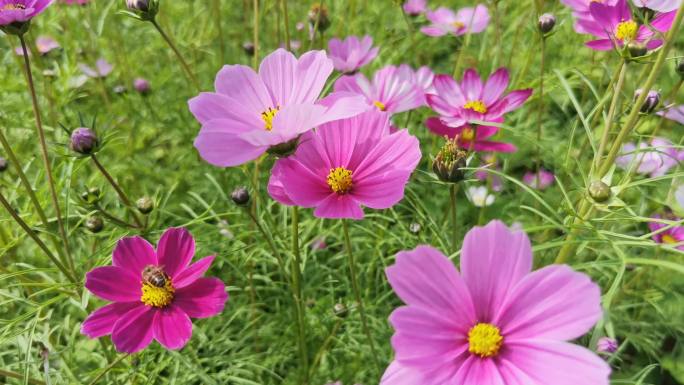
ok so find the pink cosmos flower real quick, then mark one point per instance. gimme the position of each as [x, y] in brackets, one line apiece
[153, 293]
[393, 90]
[496, 322]
[45, 44]
[422, 77]
[415, 7]
[472, 138]
[540, 181]
[250, 112]
[350, 54]
[675, 113]
[606, 345]
[19, 11]
[581, 10]
[345, 164]
[101, 70]
[466, 20]
[674, 236]
[659, 5]
[615, 27]
[471, 100]
[655, 159]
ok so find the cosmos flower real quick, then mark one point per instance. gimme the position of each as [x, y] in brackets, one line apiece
[659, 5]
[422, 77]
[101, 70]
[615, 27]
[655, 159]
[496, 322]
[251, 112]
[350, 54]
[153, 293]
[466, 20]
[414, 7]
[45, 44]
[471, 137]
[472, 100]
[345, 164]
[142, 85]
[479, 196]
[581, 10]
[674, 236]
[393, 90]
[606, 345]
[679, 196]
[19, 11]
[540, 181]
[674, 113]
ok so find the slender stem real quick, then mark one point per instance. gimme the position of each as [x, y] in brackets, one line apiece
[107, 369]
[611, 113]
[44, 153]
[175, 50]
[36, 239]
[114, 219]
[357, 293]
[540, 108]
[287, 25]
[117, 188]
[269, 239]
[297, 289]
[7, 373]
[453, 190]
[255, 36]
[326, 344]
[315, 27]
[219, 27]
[459, 57]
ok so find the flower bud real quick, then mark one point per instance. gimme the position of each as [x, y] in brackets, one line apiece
[240, 196]
[449, 161]
[84, 141]
[637, 49]
[340, 310]
[599, 191]
[145, 205]
[119, 89]
[318, 17]
[91, 196]
[144, 9]
[680, 68]
[142, 86]
[651, 102]
[248, 47]
[3, 164]
[546, 23]
[94, 224]
[138, 5]
[607, 345]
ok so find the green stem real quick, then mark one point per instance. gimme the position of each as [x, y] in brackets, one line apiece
[611, 113]
[175, 50]
[287, 25]
[7, 373]
[453, 190]
[256, 34]
[119, 191]
[269, 239]
[357, 294]
[459, 57]
[540, 108]
[107, 369]
[297, 289]
[219, 28]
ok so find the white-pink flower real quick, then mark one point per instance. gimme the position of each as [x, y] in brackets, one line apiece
[466, 20]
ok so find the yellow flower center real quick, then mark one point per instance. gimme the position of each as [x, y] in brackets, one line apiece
[157, 296]
[477, 106]
[669, 239]
[340, 180]
[484, 340]
[381, 106]
[267, 116]
[458, 24]
[12, 7]
[468, 134]
[626, 30]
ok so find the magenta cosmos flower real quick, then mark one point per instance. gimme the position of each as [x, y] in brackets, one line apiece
[539, 180]
[466, 20]
[393, 90]
[472, 100]
[659, 5]
[496, 322]
[674, 236]
[615, 27]
[422, 77]
[19, 11]
[250, 112]
[345, 164]
[414, 7]
[350, 54]
[580, 9]
[153, 294]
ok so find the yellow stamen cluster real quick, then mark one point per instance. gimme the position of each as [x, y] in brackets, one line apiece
[12, 7]
[626, 30]
[669, 239]
[340, 180]
[477, 106]
[267, 116]
[458, 24]
[381, 106]
[157, 296]
[484, 340]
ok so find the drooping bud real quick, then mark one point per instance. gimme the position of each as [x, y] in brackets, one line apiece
[3, 164]
[94, 224]
[84, 141]
[546, 23]
[145, 205]
[449, 161]
[651, 102]
[91, 196]
[142, 86]
[340, 310]
[248, 47]
[607, 345]
[240, 196]
[318, 17]
[599, 191]
[680, 68]
[637, 49]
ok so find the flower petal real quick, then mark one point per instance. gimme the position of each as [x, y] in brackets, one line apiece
[495, 87]
[204, 298]
[339, 207]
[478, 371]
[114, 284]
[172, 327]
[398, 374]
[219, 144]
[133, 254]
[175, 250]
[313, 70]
[193, 272]
[277, 70]
[133, 331]
[241, 83]
[101, 322]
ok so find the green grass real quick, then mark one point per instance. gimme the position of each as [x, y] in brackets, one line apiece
[147, 147]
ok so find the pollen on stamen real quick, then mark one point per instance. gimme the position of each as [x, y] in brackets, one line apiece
[381, 106]
[157, 296]
[626, 30]
[484, 340]
[340, 180]
[267, 116]
[477, 106]
[669, 239]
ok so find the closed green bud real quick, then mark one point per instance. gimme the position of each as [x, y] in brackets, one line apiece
[599, 191]
[145, 205]
[449, 162]
[94, 224]
[91, 196]
[340, 310]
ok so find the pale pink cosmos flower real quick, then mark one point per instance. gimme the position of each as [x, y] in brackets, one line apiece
[539, 180]
[422, 77]
[496, 322]
[345, 164]
[673, 236]
[101, 70]
[659, 5]
[153, 293]
[393, 90]
[615, 27]
[674, 113]
[654, 159]
[352, 53]
[19, 11]
[251, 112]
[466, 20]
[679, 196]
[414, 7]
[45, 44]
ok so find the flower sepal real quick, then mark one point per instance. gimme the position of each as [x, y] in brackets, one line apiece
[283, 150]
[18, 28]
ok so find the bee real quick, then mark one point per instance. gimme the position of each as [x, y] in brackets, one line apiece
[154, 275]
